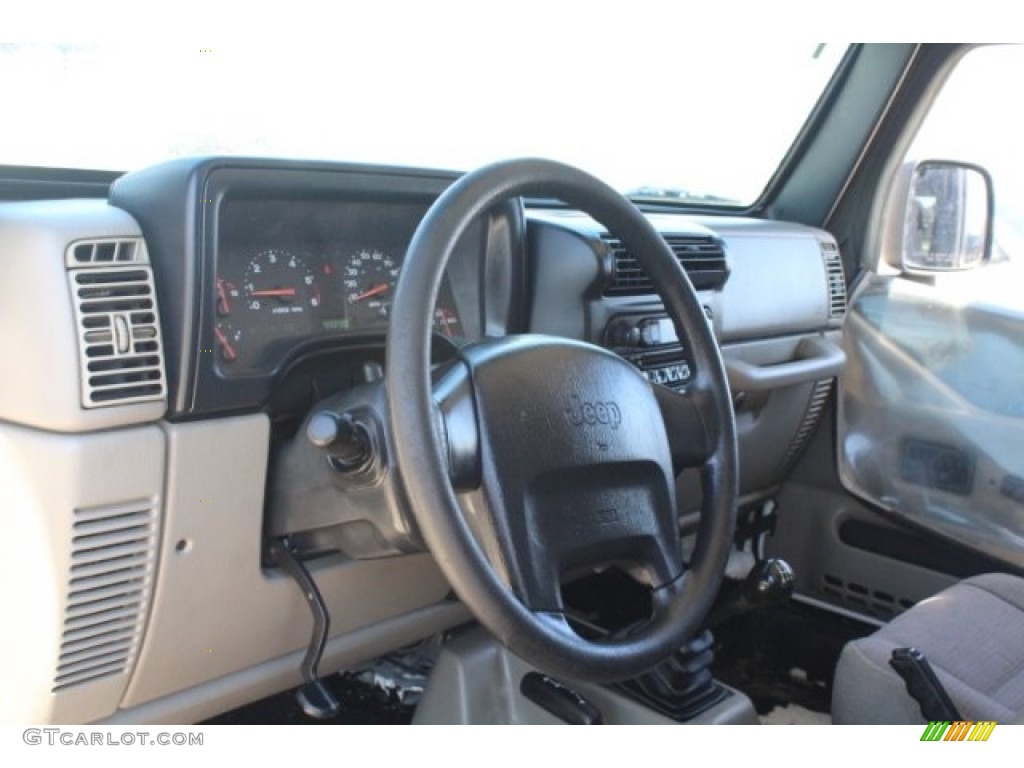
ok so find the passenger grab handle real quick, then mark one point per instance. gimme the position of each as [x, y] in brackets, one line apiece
[817, 358]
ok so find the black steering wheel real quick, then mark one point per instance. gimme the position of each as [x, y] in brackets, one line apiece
[573, 450]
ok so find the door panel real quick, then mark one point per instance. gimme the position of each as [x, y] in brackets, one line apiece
[931, 414]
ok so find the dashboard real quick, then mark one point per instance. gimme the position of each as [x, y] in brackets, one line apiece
[276, 280]
[159, 405]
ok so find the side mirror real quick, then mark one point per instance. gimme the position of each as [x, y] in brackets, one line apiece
[939, 217]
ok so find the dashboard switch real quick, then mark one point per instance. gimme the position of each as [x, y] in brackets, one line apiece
[372, 371]
[122, 336]
[322, 430]
[655, 331]
[622, 333]
[345, 440]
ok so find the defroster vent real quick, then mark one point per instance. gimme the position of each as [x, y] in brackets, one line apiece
[121, 354]
[702, 256]
[106, 251]
[836, 282]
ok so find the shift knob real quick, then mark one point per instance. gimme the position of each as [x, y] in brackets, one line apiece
[769, 582]
[772, 579]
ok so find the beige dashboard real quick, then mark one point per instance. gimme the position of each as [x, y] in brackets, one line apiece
[133, 566]
[132, 569]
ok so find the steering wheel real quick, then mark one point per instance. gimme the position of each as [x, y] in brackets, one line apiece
[574, 452]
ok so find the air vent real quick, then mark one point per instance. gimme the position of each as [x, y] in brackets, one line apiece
[703, 258]
[862, 598]
[121, 357]
[112, 558]
[836, 282]
[105, 252]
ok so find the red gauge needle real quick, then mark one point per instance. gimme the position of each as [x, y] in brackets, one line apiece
[223, 304]
[445, 323]
[274, 292]
[377, 289]
[225, 345]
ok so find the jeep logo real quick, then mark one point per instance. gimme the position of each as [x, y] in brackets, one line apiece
[585, 412]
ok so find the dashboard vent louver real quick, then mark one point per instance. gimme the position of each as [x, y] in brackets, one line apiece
[112, 556]
[121, 351]
[106, 251]
[836, 281]
[702, 256]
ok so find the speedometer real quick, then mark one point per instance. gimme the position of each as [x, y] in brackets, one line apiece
[368, 282]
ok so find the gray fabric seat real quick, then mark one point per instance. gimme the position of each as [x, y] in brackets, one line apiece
[973, 636]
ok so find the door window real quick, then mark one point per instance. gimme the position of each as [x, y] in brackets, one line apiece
[931, 416]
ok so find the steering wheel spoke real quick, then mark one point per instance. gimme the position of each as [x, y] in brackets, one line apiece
[692, 435]
[458, 429]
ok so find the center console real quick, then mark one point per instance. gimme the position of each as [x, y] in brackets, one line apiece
[651, 343]
[477, 681]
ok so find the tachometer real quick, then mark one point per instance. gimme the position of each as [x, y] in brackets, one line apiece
[368, 282]
[278, 284]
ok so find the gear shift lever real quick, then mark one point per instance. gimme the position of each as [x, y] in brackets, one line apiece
[770, 582]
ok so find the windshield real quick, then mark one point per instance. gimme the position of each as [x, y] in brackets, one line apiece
[653, 116]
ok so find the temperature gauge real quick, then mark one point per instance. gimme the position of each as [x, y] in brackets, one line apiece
[227, 296]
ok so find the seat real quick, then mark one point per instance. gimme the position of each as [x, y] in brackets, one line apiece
[972, 634]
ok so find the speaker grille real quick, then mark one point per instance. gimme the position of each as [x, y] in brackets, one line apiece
[112, 559]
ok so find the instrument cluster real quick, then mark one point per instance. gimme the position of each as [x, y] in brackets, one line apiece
[294, 270]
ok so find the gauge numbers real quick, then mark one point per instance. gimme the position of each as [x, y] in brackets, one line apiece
[368, 282]
[274, 299]
[280, 284]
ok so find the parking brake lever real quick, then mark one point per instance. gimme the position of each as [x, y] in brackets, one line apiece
[314, 697]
